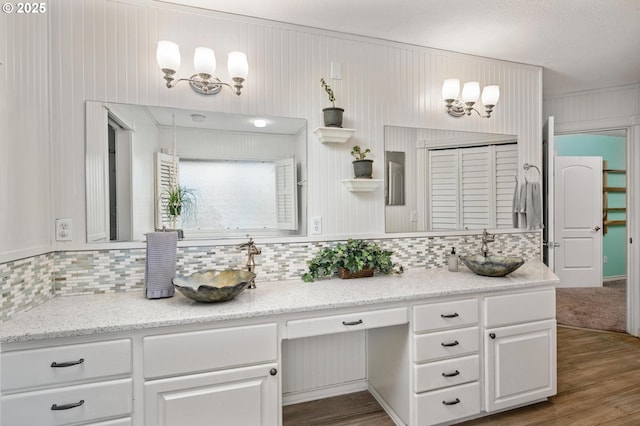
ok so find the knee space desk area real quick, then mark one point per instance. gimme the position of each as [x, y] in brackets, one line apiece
[440, 348]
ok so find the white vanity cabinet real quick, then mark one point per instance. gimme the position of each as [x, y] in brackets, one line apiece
[519, 348]
[228, 376]
[446, 363]
[83, 383]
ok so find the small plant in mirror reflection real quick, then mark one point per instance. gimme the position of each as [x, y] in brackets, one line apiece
[358, 153]
[178, 201]
[327, 89]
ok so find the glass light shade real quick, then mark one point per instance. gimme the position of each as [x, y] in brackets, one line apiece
[260, 122]
[204, 61]
[451, 88]
[168, 55]
[470, 91]
[490, 95]
[238, 65]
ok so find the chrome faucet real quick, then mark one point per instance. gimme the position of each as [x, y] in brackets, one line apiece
[252, 250]
[487, 238]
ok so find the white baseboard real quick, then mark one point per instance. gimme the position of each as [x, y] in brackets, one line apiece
[386, 407]
[614, 278]
[325, 392]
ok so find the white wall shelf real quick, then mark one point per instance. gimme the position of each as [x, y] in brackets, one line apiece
[361, 185]
[333, 134]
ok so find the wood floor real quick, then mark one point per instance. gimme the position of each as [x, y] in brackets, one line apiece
[598, 384]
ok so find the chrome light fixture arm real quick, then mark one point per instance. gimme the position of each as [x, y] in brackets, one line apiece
[205, 84]
[456, 108]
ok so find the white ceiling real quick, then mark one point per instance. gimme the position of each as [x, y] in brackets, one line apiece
[582, 44]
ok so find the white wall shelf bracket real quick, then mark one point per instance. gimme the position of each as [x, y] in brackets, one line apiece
[333, 134]
[361, 185]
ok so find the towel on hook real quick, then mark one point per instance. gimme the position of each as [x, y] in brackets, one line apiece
[515, 205]
[534, 206]
[522, 205]
[160, 264]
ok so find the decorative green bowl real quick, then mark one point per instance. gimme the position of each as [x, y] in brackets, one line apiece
[492, 266]
[213, 286]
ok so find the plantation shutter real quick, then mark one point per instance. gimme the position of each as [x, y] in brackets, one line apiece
[166, 168]
[97, 185]
[286, 194]
[443, 187]
[475, 191]
[506, 157]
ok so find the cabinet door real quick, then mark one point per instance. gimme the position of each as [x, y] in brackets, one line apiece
[242, 396]
[520, 364]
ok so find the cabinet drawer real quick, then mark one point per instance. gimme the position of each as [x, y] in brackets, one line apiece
[196, 351]
[346, 322]
[436, 316]
[442, 374]
[63, 364]
[448, 404]
[100, 400]
[520, 307]
[445, 344]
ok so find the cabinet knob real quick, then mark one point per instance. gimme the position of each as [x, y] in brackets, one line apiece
[492, 335]
[273, 372]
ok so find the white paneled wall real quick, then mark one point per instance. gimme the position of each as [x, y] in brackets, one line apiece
[25, 215]
[103, 50]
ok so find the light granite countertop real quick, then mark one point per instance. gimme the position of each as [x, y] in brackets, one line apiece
[120, 312]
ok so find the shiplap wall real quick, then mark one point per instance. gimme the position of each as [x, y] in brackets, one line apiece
[26, 221]
[105, 50]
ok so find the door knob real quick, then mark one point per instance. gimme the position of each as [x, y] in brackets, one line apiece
[596, 228]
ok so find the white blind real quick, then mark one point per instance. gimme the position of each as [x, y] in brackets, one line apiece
[443, 186]
[286, 194]
[164, 174]
[471, 188]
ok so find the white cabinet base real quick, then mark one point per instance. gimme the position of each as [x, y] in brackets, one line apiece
[242, 396]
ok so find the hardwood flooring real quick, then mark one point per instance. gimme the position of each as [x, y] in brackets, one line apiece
[598, 384]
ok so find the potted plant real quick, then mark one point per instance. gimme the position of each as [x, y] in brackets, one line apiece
[332, 115]
[353, 259]
[362, 168]
[178, 201]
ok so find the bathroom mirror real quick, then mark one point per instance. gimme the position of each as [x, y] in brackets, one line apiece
[453, 180]
[245, 173]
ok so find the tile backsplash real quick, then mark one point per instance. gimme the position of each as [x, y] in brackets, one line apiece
[28, 282]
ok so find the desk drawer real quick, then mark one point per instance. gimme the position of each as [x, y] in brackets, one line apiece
[448, 404]
[198, 351]
[520, 307]
[437, 316]
[346, 322]
[99, 400]
[87, 361]
[446, 344]
[442, 374]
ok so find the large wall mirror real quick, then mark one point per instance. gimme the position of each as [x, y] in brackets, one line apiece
[245, 176]
[452, 180]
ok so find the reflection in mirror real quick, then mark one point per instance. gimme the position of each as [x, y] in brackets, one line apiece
[454, 180]
[245, 179]
[394, 178]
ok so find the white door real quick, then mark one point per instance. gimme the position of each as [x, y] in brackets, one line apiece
[548, 157]
[521, 364]
[578, 221]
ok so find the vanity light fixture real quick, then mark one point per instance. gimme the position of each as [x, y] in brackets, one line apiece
[258, 122]
[470, 94]
[204, 61]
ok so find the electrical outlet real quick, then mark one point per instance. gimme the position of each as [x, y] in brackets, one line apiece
[316, 225]
[64, 231]
[413, 216]
[606, 259]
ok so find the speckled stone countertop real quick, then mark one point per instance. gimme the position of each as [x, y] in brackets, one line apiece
[120, 312]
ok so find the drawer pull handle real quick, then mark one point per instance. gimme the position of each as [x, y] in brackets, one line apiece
[56, 407]
[455, 373]
[454, 402]
[448, 345]
[273, 371]
[352, 322]
[492, 335]
[66, 364]
[453, 315]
